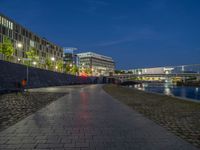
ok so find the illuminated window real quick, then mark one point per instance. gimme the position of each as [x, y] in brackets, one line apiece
[32, 44]
[7, 25]
[11, 26]
[3, 21]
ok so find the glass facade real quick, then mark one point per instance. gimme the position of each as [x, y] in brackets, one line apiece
[20, 35]
[99, 64]
[193, 68]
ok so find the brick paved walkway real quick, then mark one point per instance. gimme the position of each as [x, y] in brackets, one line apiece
[15, 107]
[88, 118]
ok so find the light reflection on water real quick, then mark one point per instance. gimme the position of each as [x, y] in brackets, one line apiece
[167, 91]
[170, 89]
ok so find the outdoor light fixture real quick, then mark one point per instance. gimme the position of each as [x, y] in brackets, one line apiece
[53, 58]
[19, 59]
[56, 67]
[19, 45]
[34, 63]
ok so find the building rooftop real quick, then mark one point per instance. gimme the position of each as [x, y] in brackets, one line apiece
[95, 55]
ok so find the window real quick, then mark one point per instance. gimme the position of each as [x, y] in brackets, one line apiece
[32, 44]
[10, 34]
[11, 26]
[1, 38]
[23, 55]
[4, 30]
[6, 23]
[3, 21]
[15, 36]
[16, 52]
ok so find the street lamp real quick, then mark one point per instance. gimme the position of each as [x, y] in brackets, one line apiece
[19, 45]
[34, 63]
[53, 58]
[27, 69]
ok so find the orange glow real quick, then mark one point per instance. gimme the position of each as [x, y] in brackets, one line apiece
[83, 74]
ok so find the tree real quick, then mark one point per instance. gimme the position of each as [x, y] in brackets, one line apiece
[7, 48]
[119, 72]
[88, 71]
[48, 63]
[32, 56]
[67, 68]
[59, 65]
[74, 70]
[130, 72]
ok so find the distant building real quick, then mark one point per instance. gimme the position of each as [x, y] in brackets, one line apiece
[156, 70]
[99, 65]
[20, 35]
[69, 57]
[168, 69]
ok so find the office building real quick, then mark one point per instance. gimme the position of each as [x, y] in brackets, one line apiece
[23, 39]
[69, 57]
[99, 65]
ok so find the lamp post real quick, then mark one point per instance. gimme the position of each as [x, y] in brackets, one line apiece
[53, 59]
[19, 60]
[34, 63]
[27, 69]
[20, 46]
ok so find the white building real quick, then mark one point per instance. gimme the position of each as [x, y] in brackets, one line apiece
[156, 70]
[98, 64]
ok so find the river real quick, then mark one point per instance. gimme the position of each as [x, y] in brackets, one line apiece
[170, 89]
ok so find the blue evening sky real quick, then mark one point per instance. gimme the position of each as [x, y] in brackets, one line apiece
[136, 33]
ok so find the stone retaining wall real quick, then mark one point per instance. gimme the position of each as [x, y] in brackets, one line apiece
[10, 73]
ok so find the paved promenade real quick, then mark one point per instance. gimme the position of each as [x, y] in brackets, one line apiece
[88, 119]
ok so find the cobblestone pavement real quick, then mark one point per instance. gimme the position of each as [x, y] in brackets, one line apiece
[176, 115]
[89, 119]
[15, 107]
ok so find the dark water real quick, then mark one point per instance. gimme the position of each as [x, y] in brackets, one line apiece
[169, 89]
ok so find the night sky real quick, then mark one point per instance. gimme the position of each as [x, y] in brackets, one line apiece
[136, 33]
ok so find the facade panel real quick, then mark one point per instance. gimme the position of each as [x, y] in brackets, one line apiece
[20, 35]
[99, 64]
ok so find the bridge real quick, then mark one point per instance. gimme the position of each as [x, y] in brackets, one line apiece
[178, 73]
